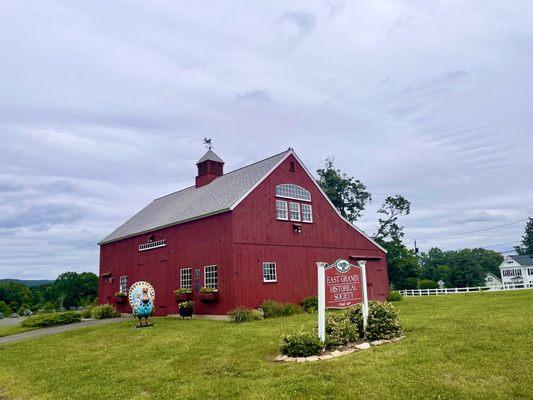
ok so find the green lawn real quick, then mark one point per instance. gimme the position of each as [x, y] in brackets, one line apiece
[471, 346]
[12, 330]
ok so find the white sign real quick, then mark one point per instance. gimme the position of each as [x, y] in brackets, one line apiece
[336, 272]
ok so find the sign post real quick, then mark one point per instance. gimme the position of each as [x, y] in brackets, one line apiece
[340, 285]
[321, 270]
[362, 264]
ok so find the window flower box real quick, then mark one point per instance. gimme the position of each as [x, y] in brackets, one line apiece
[183, 295]
[120, 298]
[208, 295]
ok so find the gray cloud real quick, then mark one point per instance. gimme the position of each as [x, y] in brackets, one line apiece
[103, 108]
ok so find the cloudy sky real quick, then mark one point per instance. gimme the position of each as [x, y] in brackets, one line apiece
[104, 105]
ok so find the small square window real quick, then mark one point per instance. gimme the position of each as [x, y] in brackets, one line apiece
[269, 272]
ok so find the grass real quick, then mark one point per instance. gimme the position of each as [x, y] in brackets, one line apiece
[472, 346]
[12, 330]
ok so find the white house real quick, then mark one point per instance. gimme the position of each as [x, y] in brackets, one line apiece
[492, 281]
[517, 270]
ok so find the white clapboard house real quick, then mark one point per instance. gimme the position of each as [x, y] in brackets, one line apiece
[492, 281]
[517, 271]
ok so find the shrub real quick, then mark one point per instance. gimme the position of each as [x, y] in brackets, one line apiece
[340, 330]
[383, 321]
[104, 311]
[46, 320]
[245, 315]
[302, 344]
[310, 304]
[4, 308]
[86, 312]
[394, 296]
[272, 308]
[410, 283]
[427, 284]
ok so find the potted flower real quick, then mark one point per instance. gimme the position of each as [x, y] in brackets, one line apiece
[120, 297]
[186, 308]
[183, 295]
[208, 294]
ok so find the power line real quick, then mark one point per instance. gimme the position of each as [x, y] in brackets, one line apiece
[476, 231]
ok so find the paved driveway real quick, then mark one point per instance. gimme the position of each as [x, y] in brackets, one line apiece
[11, 321]
[58, 329]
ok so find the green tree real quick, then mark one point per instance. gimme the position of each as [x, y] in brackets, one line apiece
[390, 210]
[4, 309]
[402, 264]
[527, 240]
[348, 195]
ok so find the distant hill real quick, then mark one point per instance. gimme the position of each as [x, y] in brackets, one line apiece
[28, 282]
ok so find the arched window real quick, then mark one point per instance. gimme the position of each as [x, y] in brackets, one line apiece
[292, 191]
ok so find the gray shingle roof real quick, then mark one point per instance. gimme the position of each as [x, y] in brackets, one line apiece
[523, 260]
[192, 203]
[210, 155]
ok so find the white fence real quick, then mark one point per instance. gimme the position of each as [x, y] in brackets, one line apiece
[433, 292]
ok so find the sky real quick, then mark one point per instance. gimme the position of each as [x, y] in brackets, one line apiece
[104, 105]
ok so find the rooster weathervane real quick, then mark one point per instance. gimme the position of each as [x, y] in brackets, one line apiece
[208, 144]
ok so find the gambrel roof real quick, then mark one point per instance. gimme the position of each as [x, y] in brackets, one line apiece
[220, 195]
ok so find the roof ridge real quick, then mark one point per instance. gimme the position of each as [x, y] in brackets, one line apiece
[229, 173]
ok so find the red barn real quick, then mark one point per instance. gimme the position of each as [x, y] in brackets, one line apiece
[251, 234]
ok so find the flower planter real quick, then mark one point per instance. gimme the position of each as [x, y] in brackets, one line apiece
[208, 297]
[186, 312]
[183, 297]
[120, 299]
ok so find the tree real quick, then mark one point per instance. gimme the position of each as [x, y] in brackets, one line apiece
[391, 209]
[527, 240]
[348, 195]
[402, 264]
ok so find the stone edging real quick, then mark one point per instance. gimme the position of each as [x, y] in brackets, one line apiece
[338, 353]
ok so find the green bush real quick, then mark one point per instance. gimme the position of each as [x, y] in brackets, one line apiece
[4, 308]
[272, 309]
[104, 311]
[310, 304]
[86, 312]
[394, 296]
[46, 320]
[427, 284]
[383, 321]
[245, 315]
[340, 330]
[302, 344]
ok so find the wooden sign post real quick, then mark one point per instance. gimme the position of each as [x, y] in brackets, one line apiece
[340, 285]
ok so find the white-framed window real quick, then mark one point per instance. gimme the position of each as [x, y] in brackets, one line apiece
[211, 277]
[512, 272]
[294, 211]
[530, 271]
[510, 261]
[123, 284]
[307, 213]
[269, 272]
[292, 191]
[185, 278]
[281, 209]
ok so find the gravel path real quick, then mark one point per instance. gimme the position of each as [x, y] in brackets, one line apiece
[58, 329]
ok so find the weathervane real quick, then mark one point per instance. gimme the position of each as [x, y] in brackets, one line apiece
[208, 143]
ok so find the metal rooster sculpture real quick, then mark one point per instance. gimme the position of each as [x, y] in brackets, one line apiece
[142, 299]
